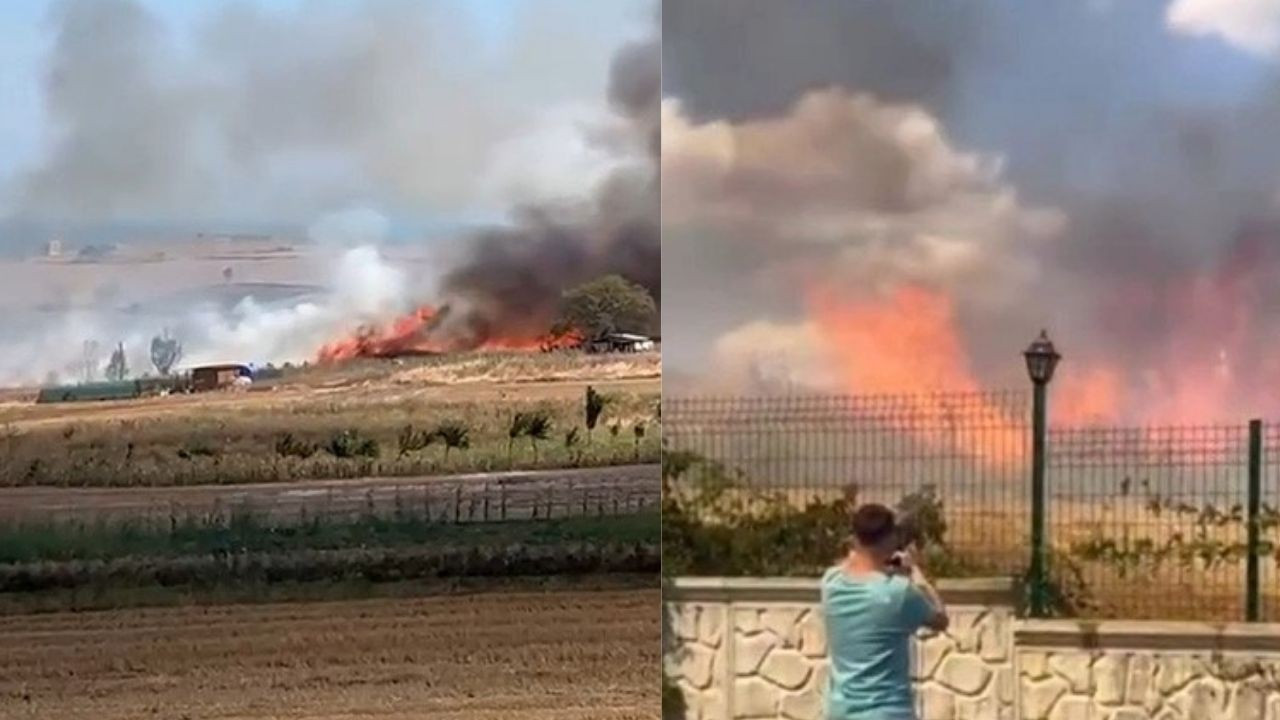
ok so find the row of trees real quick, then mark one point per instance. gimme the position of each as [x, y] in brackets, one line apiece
[166, 351]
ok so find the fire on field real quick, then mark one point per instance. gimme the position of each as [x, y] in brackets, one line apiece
[606, 314]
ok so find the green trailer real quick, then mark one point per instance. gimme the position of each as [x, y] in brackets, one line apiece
[91, 392]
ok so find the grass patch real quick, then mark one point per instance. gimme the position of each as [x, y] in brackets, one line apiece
[116, 598]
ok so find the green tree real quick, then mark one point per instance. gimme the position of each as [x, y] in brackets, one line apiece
[608, 304]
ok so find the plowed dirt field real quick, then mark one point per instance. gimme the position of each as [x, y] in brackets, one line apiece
[565, 654]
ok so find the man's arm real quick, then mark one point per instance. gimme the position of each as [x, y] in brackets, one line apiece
[938, 620]
[928, 609]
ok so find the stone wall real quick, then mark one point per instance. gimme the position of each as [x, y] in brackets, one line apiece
[755, 648]
[1073, 670]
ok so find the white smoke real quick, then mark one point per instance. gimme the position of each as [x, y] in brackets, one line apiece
[841, 191]
[363, 288]
[1250, 25]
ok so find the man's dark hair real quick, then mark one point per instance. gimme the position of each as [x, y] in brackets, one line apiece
[873, 524]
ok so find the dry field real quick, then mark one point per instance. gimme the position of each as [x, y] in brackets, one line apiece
[519, 655]
[231, 437]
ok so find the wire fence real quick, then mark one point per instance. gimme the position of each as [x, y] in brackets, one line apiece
[1152, 520]
[1142, 522]
[467, 501]
[973, 449]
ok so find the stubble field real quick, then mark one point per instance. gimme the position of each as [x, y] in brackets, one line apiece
[574, 653]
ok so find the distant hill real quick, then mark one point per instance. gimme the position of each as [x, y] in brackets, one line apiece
[227, 296]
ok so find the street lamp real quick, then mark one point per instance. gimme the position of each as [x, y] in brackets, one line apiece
[1042, 358]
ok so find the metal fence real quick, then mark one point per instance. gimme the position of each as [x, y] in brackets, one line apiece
[438, 501]
[972, 448]
[1151, 522]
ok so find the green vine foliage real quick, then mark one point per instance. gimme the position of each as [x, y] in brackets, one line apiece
[715, 523]
[1211, 537]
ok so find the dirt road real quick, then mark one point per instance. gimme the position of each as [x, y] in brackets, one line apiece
[520, 655]
[476, 497]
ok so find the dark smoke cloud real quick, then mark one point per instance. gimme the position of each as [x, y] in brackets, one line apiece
[737, 59]
[635, 88]
[1156, 148]
[514, 278]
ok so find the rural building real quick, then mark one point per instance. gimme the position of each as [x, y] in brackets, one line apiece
[217, 377]
[620, 342]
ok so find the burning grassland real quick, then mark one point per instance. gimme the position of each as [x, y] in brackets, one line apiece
[427, 331]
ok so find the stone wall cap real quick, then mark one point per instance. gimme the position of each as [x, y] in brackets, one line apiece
[967, 591]
[1148, 634]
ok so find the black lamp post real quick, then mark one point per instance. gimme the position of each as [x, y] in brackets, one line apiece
[1042, 358]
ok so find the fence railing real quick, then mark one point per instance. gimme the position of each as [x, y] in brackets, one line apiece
[1158, 522]
[437, 502]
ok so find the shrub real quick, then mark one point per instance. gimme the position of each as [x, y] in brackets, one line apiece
[351, 444]
[455, 435]
[714, 524]
[287, 445]
[411, 440]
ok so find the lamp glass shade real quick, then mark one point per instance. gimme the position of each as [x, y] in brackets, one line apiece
[1042, 359]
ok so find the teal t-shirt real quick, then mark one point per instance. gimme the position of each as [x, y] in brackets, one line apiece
[870, 621]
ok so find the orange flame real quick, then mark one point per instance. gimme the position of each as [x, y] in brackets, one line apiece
[906, 344]
[415, 334]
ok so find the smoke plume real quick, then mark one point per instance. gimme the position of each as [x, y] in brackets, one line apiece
[923, 184]
[348, 120]
[513, 280]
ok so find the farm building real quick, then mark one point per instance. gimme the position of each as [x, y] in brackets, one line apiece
[217, 377]
[620, 342]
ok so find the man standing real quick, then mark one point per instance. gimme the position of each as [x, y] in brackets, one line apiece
[873, 602]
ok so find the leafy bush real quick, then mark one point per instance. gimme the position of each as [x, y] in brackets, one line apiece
[455, 435]
[351, 444]
[411, 440]
[595, 403]
[713, 524]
